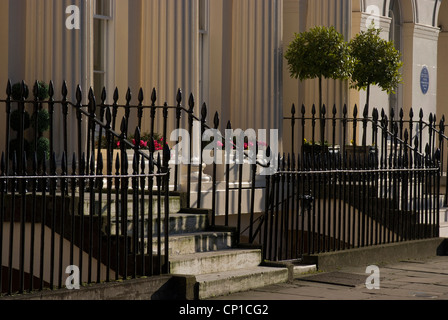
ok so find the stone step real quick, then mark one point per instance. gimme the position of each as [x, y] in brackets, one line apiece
[213, 262]
[174, 205]
[197, 242]
[179, 223]
[232, 281]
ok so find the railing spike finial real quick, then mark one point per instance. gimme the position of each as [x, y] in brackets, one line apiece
[53, 164]
[216, 120]
[116, 95]
[74, 163]
[375, 114]
[303, 109]
[151, 162]
[344, 110]
[159, 163]
[128, 95]
[3, 164]
[117, 164]
[64, 163]
[355, 111]
[204, 111]
[366, 111]
[437, 155]
[78, 94]
[135, 163]
[411, 113]
[166, 155]
[64, 90]
[123, 127]
[9, 88]
[293, 162]
[50, 89]
[335, 110]
[421, 115]
[36, 90]
[179, 96]
[141, 96]
[191, 103]
[103, 95]
[324, 110]
[92, 102]
[108, 118]
[153, 96]
[137, 135]
[293, 110]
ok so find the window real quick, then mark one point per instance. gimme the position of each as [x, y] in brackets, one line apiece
[102, 18]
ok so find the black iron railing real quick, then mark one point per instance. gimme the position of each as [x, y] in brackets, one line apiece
[333, 195]
[349, 182]
[97, 201]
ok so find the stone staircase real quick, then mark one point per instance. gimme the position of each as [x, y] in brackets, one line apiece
[219, 265]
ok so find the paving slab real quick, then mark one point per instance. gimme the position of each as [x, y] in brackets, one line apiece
[425, 280]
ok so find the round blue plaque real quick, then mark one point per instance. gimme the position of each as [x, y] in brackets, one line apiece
[424, 80]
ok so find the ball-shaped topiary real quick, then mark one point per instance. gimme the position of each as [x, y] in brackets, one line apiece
[43, 120]
[43, 149]
[16, 91]
[15, 120]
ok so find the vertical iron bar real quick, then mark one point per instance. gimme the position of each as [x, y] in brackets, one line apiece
[23, 185]
[11, 222]
[63, 186]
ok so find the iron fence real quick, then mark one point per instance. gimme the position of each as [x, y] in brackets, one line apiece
[332, 195]
[354, 182]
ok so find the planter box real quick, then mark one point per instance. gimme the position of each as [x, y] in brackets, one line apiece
[359, 151]
[314, 149]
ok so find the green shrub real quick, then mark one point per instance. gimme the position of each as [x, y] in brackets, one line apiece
[15, 120]
[43, 120]
[43, 149]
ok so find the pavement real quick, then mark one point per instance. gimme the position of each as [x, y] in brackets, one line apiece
[425, 280]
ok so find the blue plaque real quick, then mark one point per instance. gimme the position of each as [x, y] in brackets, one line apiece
[424, 80]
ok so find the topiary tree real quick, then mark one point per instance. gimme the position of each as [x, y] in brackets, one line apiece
[319, 53]
[375, 62]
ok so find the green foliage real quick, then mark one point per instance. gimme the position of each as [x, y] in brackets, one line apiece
[43, 120]
[42, 89]
[376, 62]
[15, 120]
[43, 149]
[14, 147]
[16, 91]
[319, 52]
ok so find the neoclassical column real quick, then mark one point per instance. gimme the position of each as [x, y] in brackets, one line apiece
[257, 59]
[54, 53]
[169, 52]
